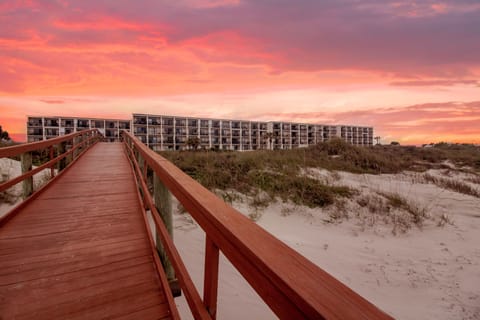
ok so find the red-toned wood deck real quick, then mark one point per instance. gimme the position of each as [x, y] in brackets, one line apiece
[81, 249]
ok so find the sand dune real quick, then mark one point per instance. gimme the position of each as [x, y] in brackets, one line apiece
[10, 169]
[432, 272]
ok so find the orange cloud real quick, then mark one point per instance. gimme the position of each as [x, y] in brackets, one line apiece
[99, 23]
[244, 59]
[418, 124]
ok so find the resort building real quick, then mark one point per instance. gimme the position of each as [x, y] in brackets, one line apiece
[42, 128]
[162, 132]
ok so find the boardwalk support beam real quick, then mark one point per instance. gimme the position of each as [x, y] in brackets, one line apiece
[210, 287]
[62, 147]
[163, 203]
[26, 159]
[76, 141]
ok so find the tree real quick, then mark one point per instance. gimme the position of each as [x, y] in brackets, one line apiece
[193, 143]
[4, 135]
[268, 137]
[395, 143]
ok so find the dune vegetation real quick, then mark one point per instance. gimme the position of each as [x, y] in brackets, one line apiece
[283, 173]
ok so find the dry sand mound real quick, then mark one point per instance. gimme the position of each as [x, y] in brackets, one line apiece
[429, 271]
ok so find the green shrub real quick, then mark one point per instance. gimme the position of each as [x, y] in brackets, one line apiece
[279, 173]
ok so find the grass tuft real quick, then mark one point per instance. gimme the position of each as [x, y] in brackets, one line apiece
[453, 185]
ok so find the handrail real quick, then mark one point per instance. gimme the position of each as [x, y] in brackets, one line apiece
[292, 286]
[76, 143]
[38, 145]
[191, 294]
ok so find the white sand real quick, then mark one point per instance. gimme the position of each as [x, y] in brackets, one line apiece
[10, 169]
[432, 273]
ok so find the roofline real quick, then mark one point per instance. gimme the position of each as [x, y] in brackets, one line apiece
[200, 118]
[82, 118]
[243, 120]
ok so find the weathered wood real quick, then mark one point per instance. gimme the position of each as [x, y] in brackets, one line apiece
[83, 239]
[210, 286]
[26, 160]
[163, 202]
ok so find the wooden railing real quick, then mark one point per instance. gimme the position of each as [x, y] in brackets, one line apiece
[292, 286]
[61, 153]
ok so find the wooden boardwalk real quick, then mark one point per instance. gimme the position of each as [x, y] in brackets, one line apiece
[81, 249]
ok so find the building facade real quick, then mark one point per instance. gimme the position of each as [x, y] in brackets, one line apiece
[42, 128]
[162, 132]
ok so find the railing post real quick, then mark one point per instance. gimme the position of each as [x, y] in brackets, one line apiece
[89, 142]
[76, 141]
[85, 138]
[26, 159]
[140, 164]
[145, 171]
[52, 169]
[163, 203]
[70, 157]
[210, 286]
[62, 146]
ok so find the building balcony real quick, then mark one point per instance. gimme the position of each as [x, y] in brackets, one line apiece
[140, 120]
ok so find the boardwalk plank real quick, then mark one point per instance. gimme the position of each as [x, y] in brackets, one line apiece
[80, 250]
[36, 261]
[111, 287]
[71, 279]
[45, 252]
[110, 304]
[151, 313]
[9, 246]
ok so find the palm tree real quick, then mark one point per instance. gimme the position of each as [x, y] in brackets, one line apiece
[269, 137]
[193, 143]
[4, 135]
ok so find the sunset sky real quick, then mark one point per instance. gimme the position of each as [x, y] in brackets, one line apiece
[410, 69]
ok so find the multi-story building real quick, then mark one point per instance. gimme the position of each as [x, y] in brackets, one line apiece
[161, 132]
[42, 128]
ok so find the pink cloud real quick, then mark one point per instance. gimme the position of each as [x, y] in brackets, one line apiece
[425, 83]
[411, 125]
[210, 3]
[284, 36]
[160, 48]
